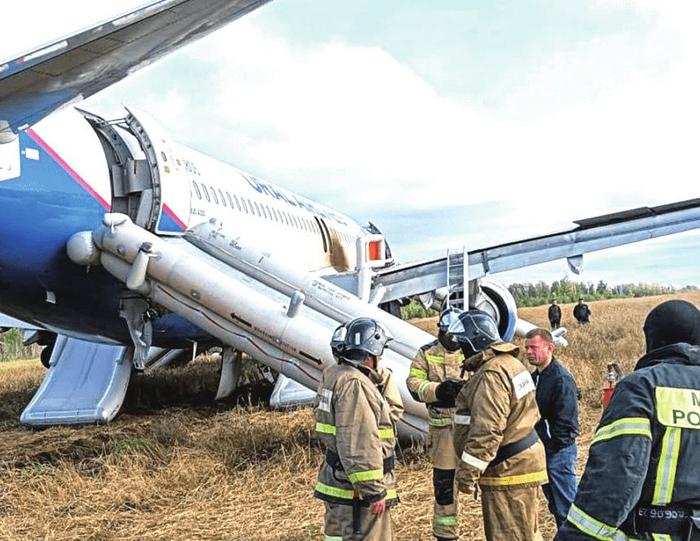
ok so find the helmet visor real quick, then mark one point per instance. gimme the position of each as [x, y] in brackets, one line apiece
[447, 318]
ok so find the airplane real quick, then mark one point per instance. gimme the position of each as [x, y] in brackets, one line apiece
[121, 245]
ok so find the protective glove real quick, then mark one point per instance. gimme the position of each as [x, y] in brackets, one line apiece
[468, 487]
[467, 479]
[447, 391]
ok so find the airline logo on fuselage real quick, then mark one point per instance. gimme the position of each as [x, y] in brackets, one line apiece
[291, 199]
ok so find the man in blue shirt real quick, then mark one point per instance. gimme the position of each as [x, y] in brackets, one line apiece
[557, 399]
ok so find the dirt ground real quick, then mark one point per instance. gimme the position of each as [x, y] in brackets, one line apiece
[174, 466]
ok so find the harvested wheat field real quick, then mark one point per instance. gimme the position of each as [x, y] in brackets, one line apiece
[168, 470]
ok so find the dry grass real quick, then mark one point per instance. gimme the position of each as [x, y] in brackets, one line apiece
[227, 472]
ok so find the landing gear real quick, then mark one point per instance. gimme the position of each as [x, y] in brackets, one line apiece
[46, 356]
[42, 338]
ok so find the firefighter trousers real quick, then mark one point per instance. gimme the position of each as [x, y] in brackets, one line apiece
[339, 524]
[511, 514]
[445, 506]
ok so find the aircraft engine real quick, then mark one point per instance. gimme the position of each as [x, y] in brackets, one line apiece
[491, 296]
[495, 299]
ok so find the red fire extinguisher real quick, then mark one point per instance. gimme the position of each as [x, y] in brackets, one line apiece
[613, 377]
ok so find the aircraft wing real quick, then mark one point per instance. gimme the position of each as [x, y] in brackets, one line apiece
[8, 322]
[587, 235]
[39, 82]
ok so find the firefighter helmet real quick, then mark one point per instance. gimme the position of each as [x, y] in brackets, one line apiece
[474, 330]
[358, 339]
[447, 316]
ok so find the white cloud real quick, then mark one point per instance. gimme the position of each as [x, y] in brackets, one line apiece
[337, 116]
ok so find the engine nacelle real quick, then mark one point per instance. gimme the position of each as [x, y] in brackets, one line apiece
[492, 297]
[495, 299]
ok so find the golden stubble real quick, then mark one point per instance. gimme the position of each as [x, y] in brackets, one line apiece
[208, 472]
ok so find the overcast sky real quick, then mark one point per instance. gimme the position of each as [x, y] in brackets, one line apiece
[445, 123]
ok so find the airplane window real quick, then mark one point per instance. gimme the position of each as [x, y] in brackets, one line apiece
[238, 205]
[274, 214]
[206, 193]
[197, 190]
[257, 208]
[264, 211]
[269, 212]
[221, 196]
[230, 201]
[294, 219]
[213, 195]
[245, 206]
[286, 218]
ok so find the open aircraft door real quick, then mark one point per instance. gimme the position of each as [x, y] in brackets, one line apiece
[169, 174]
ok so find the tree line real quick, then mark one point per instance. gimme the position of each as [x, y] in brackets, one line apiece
[564, 291]
[568, 291]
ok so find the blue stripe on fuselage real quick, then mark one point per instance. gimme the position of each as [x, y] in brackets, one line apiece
[39, 211]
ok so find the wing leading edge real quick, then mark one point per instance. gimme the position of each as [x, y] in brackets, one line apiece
[589, 235]
[37, 83]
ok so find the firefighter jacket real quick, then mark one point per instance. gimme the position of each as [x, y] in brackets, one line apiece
[644, 460]
[496, 408]
[356, 424]
[432, 365]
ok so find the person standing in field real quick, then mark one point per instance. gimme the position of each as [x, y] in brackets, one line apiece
[557, 400]
[435, 379]
[500, 452]
[357, 408]
[642, 478]
[582, 313]
[554, 315]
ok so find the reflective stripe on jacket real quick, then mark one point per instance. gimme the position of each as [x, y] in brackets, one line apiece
[500, 399]
[645, 450]
[432, 365]
[356, 422]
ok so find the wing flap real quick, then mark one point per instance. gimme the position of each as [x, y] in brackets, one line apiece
[590, 235]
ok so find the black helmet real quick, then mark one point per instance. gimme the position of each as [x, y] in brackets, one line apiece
[474, 330]
[447, 316]
[672, 322]
[355, 340]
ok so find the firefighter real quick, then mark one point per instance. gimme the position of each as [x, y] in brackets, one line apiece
[641, 480]
[554, 315]
[495, 435]
[435, 378]
[357, 407]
